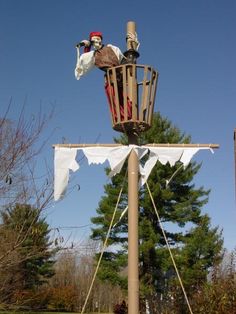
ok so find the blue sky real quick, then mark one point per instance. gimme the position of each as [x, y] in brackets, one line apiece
[191, 43]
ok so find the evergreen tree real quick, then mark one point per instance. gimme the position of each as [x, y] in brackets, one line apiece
[195, 248]
[26, 240]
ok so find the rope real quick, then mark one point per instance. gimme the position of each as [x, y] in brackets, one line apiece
[173, 175]
[168, 246]
[104, 245]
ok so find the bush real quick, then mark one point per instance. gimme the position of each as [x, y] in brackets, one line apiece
[63, 298]
[121, 308]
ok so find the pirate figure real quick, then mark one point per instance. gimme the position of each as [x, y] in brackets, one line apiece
[103, 57]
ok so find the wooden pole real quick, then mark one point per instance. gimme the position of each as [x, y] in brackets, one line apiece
[131, 28]
[235, 160]
[133, 243]
[131, 72]
[133, 250]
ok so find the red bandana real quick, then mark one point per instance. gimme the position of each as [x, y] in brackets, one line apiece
[99, 34]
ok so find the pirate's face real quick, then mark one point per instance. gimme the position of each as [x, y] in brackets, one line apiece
[96, 42]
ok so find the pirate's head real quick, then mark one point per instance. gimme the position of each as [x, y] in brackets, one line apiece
[96, 40]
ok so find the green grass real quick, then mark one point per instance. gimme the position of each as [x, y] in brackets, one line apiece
[29, 312]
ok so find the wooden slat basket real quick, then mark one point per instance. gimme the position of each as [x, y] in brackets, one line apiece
[131, 91]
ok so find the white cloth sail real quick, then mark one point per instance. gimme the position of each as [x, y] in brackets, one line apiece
[65, 160]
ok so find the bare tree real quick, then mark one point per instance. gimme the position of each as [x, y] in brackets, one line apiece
[20, 146]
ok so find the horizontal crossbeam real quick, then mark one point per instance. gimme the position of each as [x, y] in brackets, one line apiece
[153, 145]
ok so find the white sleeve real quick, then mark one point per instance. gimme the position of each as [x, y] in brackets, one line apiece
[117, 51]
[84, 64]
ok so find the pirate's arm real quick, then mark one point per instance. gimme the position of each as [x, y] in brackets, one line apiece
[85, 62]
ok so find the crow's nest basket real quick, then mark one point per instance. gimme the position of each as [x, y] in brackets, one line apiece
[131, 90]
